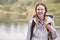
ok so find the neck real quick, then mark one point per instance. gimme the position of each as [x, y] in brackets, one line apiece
[40, 19]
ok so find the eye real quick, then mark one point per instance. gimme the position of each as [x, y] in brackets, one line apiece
[41, 9]
[38, 9]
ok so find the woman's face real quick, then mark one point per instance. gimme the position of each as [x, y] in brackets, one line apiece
[40, 11]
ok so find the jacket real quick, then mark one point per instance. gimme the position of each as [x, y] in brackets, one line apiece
[41, 34]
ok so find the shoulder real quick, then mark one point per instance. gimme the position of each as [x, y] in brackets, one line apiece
[48, 19]
[30, 21]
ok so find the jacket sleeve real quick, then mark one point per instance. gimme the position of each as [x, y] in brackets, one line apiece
[29, 30]
[53, 30]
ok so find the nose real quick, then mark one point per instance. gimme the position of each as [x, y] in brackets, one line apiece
[39, 10]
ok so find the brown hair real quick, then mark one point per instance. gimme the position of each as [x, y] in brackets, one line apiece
[44, 20]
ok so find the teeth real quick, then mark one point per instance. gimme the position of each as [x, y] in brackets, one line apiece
[40, 13]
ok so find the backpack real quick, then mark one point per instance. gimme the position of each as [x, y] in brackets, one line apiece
[33, 25]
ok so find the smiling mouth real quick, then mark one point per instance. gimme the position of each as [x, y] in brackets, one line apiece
[40, 13]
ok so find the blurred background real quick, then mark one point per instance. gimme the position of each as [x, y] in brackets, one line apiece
[15, 15]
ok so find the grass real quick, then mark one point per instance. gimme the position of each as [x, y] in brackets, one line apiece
[57, 21]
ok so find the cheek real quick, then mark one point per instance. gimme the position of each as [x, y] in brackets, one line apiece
[43, 11]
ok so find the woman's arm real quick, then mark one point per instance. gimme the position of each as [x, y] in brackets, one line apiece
[52, 28]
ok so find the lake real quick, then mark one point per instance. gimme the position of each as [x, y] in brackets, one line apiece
[16, 32]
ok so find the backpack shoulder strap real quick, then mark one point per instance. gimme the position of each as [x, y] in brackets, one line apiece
[32, 27]
[51, 16]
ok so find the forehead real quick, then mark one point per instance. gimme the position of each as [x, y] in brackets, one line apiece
[41, 6]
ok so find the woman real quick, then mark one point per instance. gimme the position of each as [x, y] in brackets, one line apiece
[42, 24]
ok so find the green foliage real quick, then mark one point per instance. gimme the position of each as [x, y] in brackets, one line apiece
[8, 18]
[22, 9]
[7, 8]
[7, 1]
[14, 5]
[56, 1]
[57, 21]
